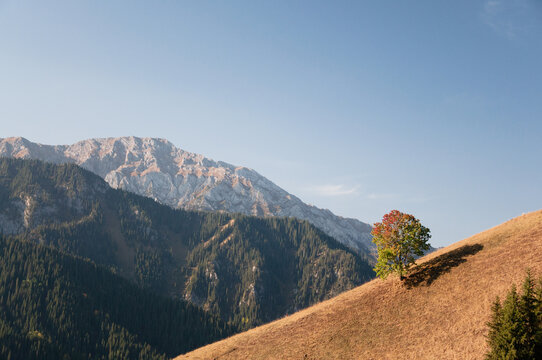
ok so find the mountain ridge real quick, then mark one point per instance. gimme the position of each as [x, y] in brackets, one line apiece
[247, 270]
[156, 168]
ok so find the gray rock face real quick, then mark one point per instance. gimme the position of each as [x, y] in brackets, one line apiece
[180, 179]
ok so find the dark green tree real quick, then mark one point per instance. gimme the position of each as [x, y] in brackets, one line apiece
[515, 331]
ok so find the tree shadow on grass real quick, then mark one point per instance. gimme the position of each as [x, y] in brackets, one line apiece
[424, 274]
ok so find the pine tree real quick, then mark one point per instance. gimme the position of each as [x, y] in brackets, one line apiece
[494, 338]
[529, 319]
[538, 312]
[515, 331]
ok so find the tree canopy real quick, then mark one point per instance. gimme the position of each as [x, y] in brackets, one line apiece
[399, 239]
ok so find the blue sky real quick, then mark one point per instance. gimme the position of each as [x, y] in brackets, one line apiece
[430, 107]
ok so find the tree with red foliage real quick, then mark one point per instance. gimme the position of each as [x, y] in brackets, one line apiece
[399, 238]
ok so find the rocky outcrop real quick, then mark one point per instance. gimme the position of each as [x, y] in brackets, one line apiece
[157, 169]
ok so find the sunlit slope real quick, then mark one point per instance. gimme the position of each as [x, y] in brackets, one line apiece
[440, 313]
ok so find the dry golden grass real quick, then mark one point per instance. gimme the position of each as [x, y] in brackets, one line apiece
[439, 313]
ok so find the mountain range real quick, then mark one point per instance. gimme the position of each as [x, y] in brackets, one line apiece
[79, 258]
[157, 169]
[246, 270]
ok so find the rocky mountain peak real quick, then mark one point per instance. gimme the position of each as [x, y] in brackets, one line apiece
[158, 169]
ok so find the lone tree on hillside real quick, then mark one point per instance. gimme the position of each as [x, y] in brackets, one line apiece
[399, 238]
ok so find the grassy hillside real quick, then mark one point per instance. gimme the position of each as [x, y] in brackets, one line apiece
[244, 269]
[439, 313]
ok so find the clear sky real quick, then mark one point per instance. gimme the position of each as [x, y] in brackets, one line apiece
[429, 107]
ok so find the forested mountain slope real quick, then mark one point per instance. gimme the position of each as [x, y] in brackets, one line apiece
[56, 306]
[440, 311]
[247, 270]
